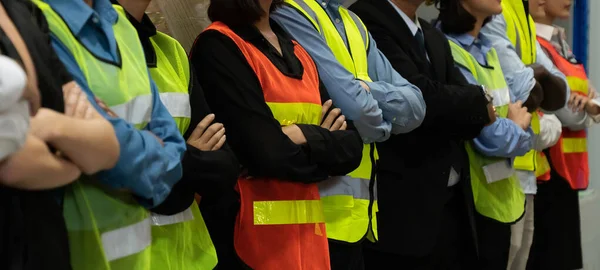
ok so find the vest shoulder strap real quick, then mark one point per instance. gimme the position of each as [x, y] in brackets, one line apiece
[362, 28]
[463, 58]
[175, 52]
[308, 11]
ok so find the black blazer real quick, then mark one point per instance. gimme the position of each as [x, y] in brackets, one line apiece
[413, 170]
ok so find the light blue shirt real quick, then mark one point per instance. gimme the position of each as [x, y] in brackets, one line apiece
[393, 104]
[503, 138]
[520, 78]
[145, 167]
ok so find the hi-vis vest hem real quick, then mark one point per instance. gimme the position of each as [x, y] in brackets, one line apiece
[348, 201]
[108, 229]
[283, 228]
[496, 189]
[569, 155]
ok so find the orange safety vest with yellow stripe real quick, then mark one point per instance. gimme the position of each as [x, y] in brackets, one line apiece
[520, 29]
[281, 224]
[350, 201]
[569, 156]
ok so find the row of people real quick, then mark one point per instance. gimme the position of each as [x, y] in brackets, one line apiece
[315, 112]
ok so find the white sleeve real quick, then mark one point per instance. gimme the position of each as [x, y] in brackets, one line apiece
[550, 131]
[14, 112]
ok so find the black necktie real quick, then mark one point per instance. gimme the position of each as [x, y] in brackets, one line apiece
[421, 42]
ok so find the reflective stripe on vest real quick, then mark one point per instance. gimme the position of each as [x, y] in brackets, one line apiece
[496, 189]
[346, 209]
[281, 217]
[284, 212]
[89, 210]
[569, 155]
[162, 220]
[126, 241]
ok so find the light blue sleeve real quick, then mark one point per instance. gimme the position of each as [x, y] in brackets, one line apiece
[356, 103]
[468, 75]
[519, 77]
[145, 167]
[401, 102]
[503, 138]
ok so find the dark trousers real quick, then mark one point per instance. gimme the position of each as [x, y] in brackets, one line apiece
[494, 243]
[346, 256]
[557, 235]
[453, 251]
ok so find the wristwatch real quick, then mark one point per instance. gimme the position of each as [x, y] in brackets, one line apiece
[485, 92]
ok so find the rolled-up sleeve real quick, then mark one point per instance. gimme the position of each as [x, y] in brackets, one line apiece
[145, 167]
[402, 103]
[503, 138]
[519, 77]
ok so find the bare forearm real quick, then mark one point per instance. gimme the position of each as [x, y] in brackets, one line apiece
[91, 144]
[34, 167]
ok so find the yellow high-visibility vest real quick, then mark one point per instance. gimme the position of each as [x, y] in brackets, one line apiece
[349, 202]
[180, 241]
[108, 229]
[496, 189]
[520, 29]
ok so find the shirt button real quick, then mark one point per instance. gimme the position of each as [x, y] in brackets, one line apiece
[337, 20]
[95, 19]
[324, 4]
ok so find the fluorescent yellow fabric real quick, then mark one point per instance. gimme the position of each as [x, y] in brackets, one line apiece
[283, 212]
[346, 199]
[520, 29]
[108, 230]
[288, 112]
[172, 77]
[183, 243]
[496, 189]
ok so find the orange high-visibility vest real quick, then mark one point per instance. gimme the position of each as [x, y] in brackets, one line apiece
[569, 156]
[281, 224]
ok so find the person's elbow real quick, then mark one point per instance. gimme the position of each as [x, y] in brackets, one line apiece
[408, 120]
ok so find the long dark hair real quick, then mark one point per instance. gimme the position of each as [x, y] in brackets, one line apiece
[238, 12]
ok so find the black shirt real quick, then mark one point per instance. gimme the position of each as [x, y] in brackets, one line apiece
[32, 229]
[233, 91]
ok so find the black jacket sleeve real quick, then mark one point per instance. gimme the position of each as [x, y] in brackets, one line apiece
[208, 173]
[234, 93]
[455, 108]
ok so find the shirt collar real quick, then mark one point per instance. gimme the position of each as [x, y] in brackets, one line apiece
[544, 31]
[76, 13]
[414, 26]
[466, 40]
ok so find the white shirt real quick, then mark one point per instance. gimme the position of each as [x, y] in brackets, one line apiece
[14, 111]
